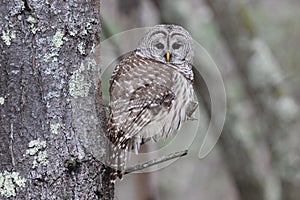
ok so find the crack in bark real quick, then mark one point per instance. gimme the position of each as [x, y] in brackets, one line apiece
[11, 148]
[33, 50]
[22, 96]
[26, 5]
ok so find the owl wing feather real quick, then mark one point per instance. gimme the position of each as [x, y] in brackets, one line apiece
[138, 87]
[147, 102]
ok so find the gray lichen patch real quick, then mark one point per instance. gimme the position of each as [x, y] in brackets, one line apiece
[51, 56]
[54, 128]
[58, 39]
[40, 159]
[35, 146]
[73, 32]
[1, 100]
[37, 149]
[9, 181]
[87, 28]
[7, 36]
[91, 64]
[31, 20]
[79, 86]
[81, 48]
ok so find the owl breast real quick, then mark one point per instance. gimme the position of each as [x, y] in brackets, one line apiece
[148, 100]
[167, 122]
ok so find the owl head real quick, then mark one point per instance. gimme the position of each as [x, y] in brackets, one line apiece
[168, 44]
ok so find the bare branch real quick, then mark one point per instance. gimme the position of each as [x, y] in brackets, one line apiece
[156, 161]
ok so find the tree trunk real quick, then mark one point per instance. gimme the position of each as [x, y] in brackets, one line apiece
[52, 122]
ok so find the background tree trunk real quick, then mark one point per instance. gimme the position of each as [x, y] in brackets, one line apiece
[52, 124]
[260, 76]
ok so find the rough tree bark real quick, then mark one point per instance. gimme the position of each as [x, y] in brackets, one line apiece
[51, 119]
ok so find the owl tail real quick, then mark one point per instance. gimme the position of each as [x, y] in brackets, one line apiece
[116, 162]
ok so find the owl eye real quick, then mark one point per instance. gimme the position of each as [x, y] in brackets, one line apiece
[159, 46]
[176, 46]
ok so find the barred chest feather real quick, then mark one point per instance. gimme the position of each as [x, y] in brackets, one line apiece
[167, 122]
[149, 100]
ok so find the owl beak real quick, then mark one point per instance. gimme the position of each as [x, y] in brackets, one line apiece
[168, 56]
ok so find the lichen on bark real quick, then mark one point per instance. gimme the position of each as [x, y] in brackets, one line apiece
[45, 125]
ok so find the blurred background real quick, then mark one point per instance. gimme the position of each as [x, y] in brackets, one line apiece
[255, 45]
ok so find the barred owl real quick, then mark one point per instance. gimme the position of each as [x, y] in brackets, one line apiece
[151, 93]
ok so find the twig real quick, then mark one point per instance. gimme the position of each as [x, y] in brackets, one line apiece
[155, 161]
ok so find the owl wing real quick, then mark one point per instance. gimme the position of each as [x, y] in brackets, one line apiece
[145, 104]
[140, 89]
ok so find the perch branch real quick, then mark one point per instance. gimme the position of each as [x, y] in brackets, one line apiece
[155, 161]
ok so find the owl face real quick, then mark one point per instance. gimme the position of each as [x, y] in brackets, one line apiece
[168, 44]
